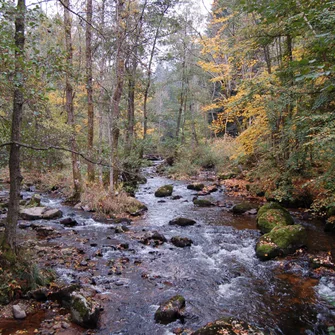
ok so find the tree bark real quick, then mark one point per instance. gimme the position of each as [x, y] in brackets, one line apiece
[69, 95]
[89, 88]
[117, 94]
[9, 242]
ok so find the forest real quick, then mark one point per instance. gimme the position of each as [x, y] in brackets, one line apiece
[107, 105]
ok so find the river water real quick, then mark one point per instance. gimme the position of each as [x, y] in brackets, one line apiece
[218, 275]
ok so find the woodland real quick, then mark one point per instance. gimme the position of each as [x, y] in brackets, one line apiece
[92, 91]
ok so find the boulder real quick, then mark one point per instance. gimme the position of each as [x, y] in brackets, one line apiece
[18, 312]
[35, 201]
[270, 205]
[164, 191]
[136, 208]
[196, 187]
[38, 213]
[181, 242]
[242, 208]
[83, 312]
[273, 218]
[170, 310]
[228, 326]
[202, 202]
[155, 236]
[182, 222]
[68, 222]
[281, 241]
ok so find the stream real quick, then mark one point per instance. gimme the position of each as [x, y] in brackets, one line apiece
[219, 275]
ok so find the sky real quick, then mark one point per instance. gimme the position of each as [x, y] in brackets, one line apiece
[205, 4]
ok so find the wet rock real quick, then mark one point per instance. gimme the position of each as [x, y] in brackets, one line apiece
[281, 241]
[161, 201]
[272, 218]
[164, 191]
[203, 202]
[120, 230]
[242, 208]
[228, 326]
[40, 294]
[35, 201]
[84, 312]
[182, 222]
[181, 242]
[155, 236]
[24, 225]
[78, 206]
[38, 213]
[122, 220]
[87, 208]
[170, 310]
[176, 197]
[62, 294]
[252, 211]
[196, 187]
[68, 222]
[44, 231]
[18, 312]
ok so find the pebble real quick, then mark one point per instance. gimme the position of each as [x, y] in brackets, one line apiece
[18, 312]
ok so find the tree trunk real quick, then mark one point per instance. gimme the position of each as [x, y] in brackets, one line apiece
[69, 95]
[117, 94]
[9, 242]
[89, 88]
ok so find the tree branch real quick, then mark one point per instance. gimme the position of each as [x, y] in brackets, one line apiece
[51, 147]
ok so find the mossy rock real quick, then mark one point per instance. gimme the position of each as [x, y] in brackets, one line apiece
[196, 187]
[228, 326]
[35, 201]
[273, 218]
[281, 241]
[164, 191]
[203, 203]
[270, 205]
[83, 312]
[242, 208]
[170, 310]
[225, 176]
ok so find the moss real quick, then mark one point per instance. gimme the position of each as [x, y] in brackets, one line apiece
[164, 191]
[289, 237]
[273, 218]
[242, 208]
[265, 251]
[202, 203]
[270, 205]
[196, 187]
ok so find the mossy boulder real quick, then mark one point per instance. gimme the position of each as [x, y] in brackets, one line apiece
[83, 312]
[228, 326]
[196, 187]
[164, 191]
[269, 205]
[281, 241]
[203, 203]
[136, 208]
[242, 208]
[273, 218]
[170, 310]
